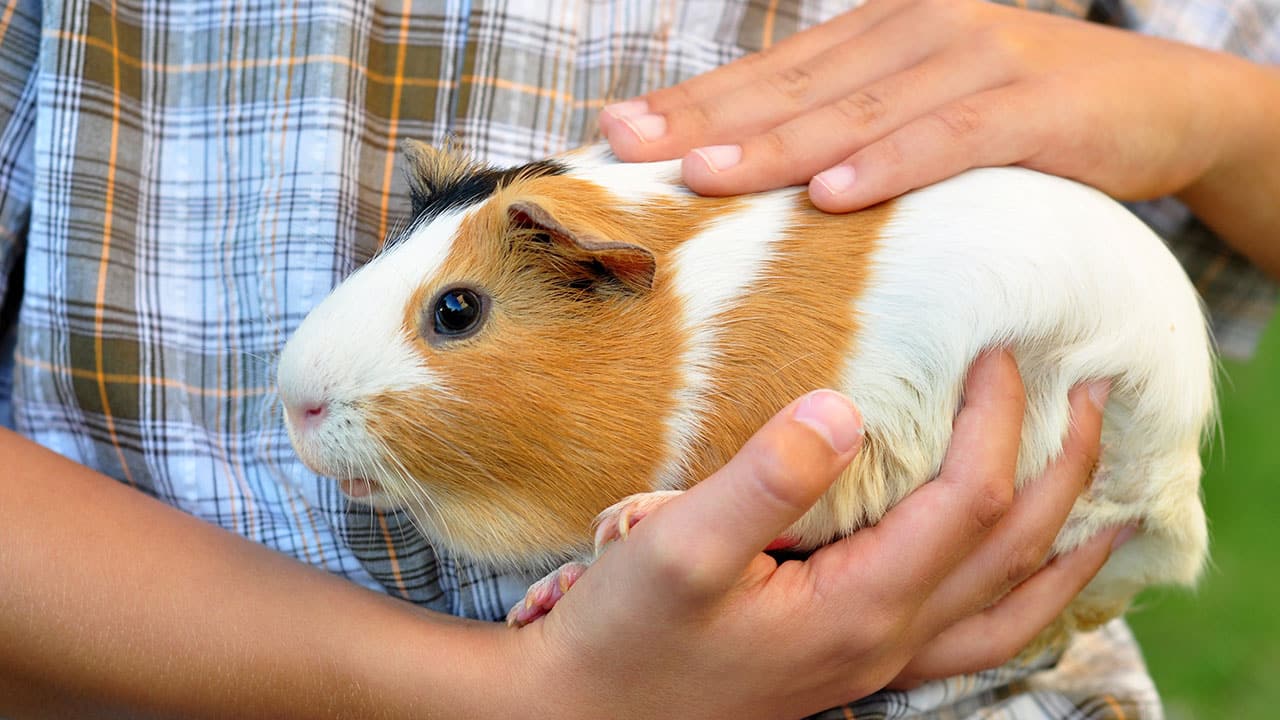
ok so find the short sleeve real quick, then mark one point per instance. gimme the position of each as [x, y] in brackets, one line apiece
[19, 53]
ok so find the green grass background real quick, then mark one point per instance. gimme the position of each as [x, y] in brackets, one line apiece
[1215, 652]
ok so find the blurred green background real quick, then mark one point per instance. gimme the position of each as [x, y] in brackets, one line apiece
[1215, 652]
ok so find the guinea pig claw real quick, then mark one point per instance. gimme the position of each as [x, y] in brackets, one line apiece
[543, 595]
[616, 521]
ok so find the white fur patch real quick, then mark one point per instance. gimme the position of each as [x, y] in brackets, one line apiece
[631, 183]
[1079, 289]
[712, 271]
[353, 346]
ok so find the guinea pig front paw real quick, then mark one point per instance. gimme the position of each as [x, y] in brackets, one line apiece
[617, 520]
[544, 594]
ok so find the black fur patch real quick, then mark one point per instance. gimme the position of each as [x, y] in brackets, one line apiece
[431, 198]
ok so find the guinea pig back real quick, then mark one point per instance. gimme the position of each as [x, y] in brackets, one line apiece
[543, 341]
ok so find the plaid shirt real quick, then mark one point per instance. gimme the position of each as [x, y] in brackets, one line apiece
[182, 181]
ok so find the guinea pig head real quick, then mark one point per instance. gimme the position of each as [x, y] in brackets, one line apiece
[501, 371]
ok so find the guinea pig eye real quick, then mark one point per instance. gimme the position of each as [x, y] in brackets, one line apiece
[458, 311]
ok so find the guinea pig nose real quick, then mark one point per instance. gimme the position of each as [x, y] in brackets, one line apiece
[308, 412]
[314, 412]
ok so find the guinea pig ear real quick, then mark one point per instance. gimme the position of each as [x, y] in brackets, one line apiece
[618, 264]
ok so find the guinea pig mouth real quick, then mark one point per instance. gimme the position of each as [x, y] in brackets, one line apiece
[359, 487]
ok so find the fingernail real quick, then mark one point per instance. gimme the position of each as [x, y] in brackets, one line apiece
[1126, 533]
[647, 127]
[836, 180]
[832, 416]
[1098, 392]
[720, 157]
[627, 109]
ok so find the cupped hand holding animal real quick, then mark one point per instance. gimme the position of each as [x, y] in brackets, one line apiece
[899, 94]
[688, 613]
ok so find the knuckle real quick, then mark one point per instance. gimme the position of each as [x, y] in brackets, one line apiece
[774, 143]
[880, 634]
[959, 120]
[673, 567]
[1004, 45]
[665, 100]
[862, 108]
[1024, 561]
[695, 120]
[890, 154]
[992, 503]
[792, 83]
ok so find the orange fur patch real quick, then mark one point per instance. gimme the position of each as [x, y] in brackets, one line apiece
[557, 407]
[566, 392]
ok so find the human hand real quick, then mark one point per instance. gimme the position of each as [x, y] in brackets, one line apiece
[898, 94]
[689, 613]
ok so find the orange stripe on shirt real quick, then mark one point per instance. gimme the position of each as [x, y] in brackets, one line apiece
[533, 90]
[125, 379]
[8, 16]
[393, 118]
[391, 555]
[104, 262]
[766, 32]
[136, 62]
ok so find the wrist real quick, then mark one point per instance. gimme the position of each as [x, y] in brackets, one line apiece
[404, 662]
[1236, 194]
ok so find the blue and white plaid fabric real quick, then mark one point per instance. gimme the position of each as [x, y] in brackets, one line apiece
[182, 180]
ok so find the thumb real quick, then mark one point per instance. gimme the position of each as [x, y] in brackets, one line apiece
[700, 543]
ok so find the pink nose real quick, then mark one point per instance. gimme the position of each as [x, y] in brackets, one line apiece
[307, 414]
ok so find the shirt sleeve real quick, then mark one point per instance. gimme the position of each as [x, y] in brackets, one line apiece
[19, 53]
[19, 50]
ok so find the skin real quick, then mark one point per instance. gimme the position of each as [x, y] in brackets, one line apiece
[118, 605]
[902, 93]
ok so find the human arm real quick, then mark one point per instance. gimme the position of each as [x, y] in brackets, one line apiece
[901, 93]
[113, 603]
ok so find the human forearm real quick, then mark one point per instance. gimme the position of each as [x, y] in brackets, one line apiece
[1239, 195]
[116, 604]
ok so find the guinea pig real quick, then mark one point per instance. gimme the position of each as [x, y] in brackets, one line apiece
[543, 342]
